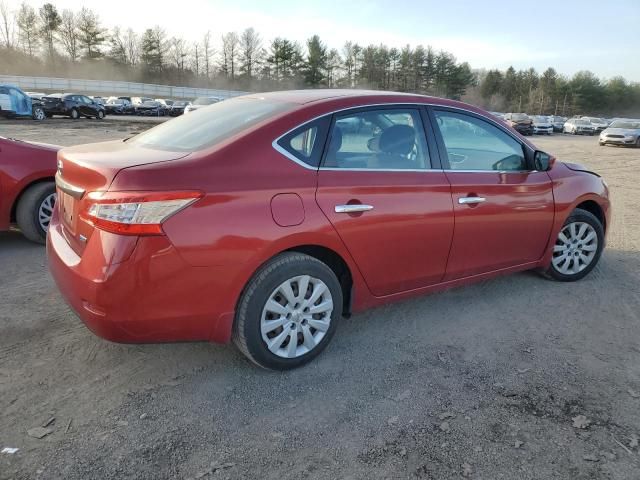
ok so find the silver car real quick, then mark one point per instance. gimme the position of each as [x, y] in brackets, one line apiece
[598, 123]
[577, 126]
[621, 132]
[542, 125]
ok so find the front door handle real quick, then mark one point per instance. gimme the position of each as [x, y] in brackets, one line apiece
[353, 208]
[471, 200]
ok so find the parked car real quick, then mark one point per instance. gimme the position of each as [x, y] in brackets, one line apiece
[577, 126]
[201, 102]
[599, 124]
[521, 122]
[153, 108]
[16, 103]
[118, 106]
[542, 125]
[36, 95]
[27, 188]
[98, 99]
[621, 132]
[178, 107]
[259, 220]
[165, 102]
[557, 122]
[72, 105]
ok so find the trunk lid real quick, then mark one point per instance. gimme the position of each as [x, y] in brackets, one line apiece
[92, 168]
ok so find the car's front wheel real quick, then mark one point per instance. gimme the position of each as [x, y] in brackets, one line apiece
[38, 113]
[100, 115]
[288, 312]
[577, 248]
[74, 114]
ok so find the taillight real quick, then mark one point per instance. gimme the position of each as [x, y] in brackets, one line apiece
[134, 213]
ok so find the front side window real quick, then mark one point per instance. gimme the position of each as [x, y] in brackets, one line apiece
[391, 139]
[474, 144]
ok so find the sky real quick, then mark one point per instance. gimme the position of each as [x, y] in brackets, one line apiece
[569, 35]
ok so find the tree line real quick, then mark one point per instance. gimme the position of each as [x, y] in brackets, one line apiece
[70, 43]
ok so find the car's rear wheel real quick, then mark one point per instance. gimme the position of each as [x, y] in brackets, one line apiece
[74, 114]
[288, 312]
[100, 115]
[34, 211]
[638, 143]
[578, 247]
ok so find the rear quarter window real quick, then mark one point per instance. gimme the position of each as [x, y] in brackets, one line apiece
[305, 143]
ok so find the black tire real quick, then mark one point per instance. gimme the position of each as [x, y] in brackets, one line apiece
[638, 143]
[246, 331]
[579, 215]
[28, 209]
[74, 114]
[100, 115]
[38, 114]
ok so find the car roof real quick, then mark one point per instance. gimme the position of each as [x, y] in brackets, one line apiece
[303, 97]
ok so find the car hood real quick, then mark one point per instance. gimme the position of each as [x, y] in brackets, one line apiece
[622, 131]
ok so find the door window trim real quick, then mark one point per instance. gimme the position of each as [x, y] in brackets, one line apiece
[444, 158]
[432, 133]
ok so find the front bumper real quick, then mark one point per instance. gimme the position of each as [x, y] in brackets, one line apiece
[618, 141]
[146, 294]
[524, 129]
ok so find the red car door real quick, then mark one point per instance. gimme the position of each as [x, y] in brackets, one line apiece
[503, 208]
[390, 206]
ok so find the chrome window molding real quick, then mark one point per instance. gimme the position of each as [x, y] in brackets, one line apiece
[276, 146]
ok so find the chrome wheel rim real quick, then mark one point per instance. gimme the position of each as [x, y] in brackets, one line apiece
[39, 114]
[296, 316]
[46, 211]
[575, 248]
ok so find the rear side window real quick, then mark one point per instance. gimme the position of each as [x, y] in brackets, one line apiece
[304, 144]
[209, 125]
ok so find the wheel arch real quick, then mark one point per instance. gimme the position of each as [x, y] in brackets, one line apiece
[594, 208]
[16, 200]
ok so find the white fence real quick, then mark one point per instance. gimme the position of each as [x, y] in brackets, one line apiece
[110, 87]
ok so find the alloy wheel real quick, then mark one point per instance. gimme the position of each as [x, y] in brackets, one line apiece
[575, 248]
[296, 316]
[45, 211]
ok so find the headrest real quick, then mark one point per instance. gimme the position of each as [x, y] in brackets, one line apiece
[398, 139]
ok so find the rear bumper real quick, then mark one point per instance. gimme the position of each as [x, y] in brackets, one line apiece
[150, 296]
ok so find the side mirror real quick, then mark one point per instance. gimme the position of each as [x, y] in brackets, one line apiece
[543, 161]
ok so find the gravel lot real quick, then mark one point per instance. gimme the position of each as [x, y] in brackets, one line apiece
[518, 377]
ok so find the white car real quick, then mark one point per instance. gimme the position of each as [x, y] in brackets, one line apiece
[542, 125]
[578, 126]
[201, 102]
[621, 132]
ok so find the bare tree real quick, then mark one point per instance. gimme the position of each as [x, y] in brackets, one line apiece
[207, 53]
[230, 43]
[8, 21]
[132, 47]
[250, 51]
[69, 34]
[27, 21]
[196, 58]
[178, 52]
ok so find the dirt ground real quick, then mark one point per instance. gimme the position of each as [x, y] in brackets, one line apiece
[514, 378]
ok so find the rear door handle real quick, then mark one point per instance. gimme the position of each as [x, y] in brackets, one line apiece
[353, 208]
[471, 200]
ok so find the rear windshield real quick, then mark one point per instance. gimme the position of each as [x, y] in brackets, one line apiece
[207, 126]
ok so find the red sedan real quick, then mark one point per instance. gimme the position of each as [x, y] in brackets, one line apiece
[265, 219]
[27, 188]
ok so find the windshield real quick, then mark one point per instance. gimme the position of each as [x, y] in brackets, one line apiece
[519, 116]
[205, 101]
[625, 124]
[207, 126]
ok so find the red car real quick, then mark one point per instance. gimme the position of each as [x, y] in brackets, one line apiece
[266, 218]
[27, 187]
